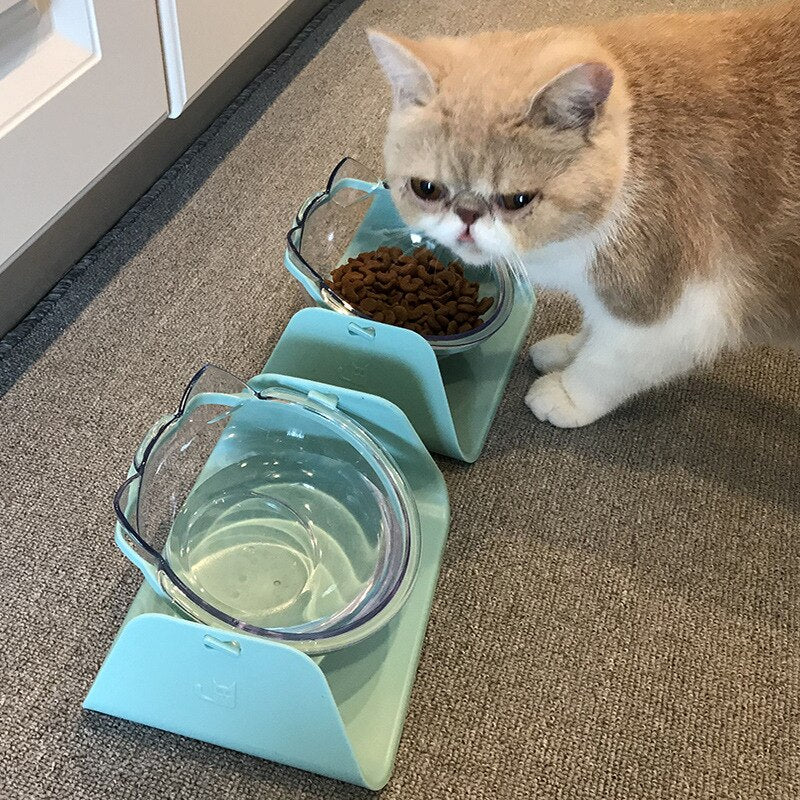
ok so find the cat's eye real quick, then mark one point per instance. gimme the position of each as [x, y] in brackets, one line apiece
[427, 190]
[516, 200]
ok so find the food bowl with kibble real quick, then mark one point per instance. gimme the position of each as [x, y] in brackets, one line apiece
[268, 510]
[352, 253]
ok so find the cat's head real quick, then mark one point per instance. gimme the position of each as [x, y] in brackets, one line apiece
[500, 144]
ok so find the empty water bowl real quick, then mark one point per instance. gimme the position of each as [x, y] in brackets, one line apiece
[355, 214]
[271, 512]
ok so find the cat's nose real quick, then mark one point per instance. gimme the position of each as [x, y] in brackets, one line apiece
[467, 215]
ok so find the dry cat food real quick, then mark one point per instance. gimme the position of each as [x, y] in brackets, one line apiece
[413, 291]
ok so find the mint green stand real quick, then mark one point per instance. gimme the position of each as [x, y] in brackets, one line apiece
[450, 402]
[340, 714]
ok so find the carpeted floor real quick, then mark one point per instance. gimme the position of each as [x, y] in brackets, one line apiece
[618, 614]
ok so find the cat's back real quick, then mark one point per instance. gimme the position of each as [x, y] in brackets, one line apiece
[766, 29]
[719, 66]
[715, 148]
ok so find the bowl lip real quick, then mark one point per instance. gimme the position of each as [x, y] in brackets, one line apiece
[443, 343]
[351, 623]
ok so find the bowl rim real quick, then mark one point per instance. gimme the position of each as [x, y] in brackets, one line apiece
[350, 626]
[504, 297]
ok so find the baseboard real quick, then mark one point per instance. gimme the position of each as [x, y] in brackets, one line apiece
[33, 272]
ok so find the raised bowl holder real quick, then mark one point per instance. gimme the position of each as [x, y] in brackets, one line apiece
[450, 400]
[339, 714]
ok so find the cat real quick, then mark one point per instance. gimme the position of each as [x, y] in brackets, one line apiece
[649, 166]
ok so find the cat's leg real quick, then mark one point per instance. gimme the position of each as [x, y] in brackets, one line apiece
[557, 351]
[602, 375]
[619, 360]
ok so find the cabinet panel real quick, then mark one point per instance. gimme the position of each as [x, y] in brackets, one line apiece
[202, 36]
[80, 82]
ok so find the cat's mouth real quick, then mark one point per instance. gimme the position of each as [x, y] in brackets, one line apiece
[465, 237]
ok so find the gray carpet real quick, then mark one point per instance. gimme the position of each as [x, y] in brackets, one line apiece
[618, 614]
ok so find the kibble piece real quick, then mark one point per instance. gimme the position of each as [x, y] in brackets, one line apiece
[485, 304]
[404, 283]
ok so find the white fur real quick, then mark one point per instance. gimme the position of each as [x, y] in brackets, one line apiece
[618, 359]
[612, 360]
[491, 240]
[556, 352]
[564, 267]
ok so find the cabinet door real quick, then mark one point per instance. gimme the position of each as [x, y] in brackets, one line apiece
[202, 36]
[80, 82]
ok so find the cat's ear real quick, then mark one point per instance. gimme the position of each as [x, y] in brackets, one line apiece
[573, 99]
[411, 80]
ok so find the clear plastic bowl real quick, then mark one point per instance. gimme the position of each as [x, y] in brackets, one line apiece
[271, 512]
[355, 214]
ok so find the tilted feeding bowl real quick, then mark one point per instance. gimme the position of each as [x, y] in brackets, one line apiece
[355, 214]
[270, 512]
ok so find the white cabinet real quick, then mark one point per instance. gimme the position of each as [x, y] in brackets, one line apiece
[80, 82]
[86, 89]
[201, 37]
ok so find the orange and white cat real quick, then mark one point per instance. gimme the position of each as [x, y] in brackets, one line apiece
[649, 166]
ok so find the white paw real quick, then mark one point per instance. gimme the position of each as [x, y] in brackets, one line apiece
[552, 353]
[549, 401]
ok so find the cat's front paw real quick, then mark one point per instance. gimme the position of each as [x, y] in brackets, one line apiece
[550, 402]
[553, 353]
